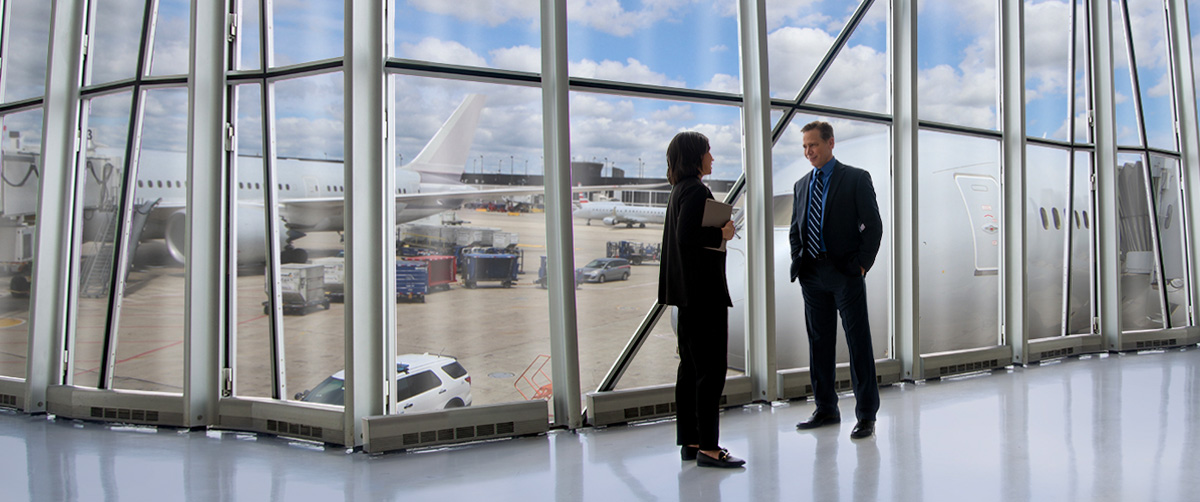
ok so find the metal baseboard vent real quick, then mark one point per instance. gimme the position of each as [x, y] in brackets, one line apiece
[648, 403]
[124, 414]
[459, 425]
[1056, 353]
[843, 385]
[795, 383]
[1156, 344]
[954, 369]
[292, 429]
[9, 401]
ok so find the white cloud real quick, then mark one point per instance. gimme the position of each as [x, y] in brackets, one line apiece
[792, 54]
[948, 95]
[441, 51]
[723, 83]
[857, 79]
[519, 58]
[491, 12]
[609, 16]
[631, 71]
[795, 13]
[718, 48]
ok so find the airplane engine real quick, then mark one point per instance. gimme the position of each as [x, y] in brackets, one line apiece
[610, 221]
[251, 247]
[175, 233]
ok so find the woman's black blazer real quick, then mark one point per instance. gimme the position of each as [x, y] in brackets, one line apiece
[690, 275]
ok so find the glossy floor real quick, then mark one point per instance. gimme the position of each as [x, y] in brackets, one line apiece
[1101, 427]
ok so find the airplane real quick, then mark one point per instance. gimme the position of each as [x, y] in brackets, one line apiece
[614, 213]
[959, 254]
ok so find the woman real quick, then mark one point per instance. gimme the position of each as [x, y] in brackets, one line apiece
[692, 277]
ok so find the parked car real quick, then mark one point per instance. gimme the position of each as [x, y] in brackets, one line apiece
[605, 269]
[424, 382]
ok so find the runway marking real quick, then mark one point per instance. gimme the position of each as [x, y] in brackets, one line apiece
[148, 352]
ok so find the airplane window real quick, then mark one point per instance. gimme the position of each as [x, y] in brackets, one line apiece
[241, 185]
[1167, 220]
[178, 184]
[139, 183]
[1076, 218]
[159, 183]
[288, 185]
[257, 186]
[1045, 223]
[1057, 221]
[1085, 220]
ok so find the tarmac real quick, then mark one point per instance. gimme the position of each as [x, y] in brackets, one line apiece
[500, 335]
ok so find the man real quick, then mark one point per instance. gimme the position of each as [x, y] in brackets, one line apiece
[835, 236]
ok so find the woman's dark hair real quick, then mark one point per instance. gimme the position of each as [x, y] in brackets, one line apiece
[685, 155]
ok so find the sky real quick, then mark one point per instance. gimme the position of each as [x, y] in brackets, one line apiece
[690, 44]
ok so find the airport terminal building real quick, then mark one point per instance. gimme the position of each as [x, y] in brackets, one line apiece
[372, 249]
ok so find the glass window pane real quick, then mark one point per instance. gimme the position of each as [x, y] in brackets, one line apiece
[116, 40]
[1083, 133]
[1168, 197]
[859, 144]
[1083, 281]
[1128, 131]
[307, 30]
[309, 133]
[149, 348]
[503, 35]
[26, 40]
[623, 140]
[1047, 68]
[957, 79]
[1194, 26]
[96, 221]
[1046, 230]
[252, 338]
[21, 152]
[250, 39]
[959, 241]
[858, 77]
[795, 45]
[171, 33]
[678, 44]
[468, 265]
[1154, 71]
[1140, 300]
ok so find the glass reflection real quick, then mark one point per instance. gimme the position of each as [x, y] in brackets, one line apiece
[468, 265]
[692, 45]
[95, 238]
[498, 35]
[22, 163]
[306, 30]
[859, 144]
[26, 38]
[116, 40]
[149, 348]
[956, 57]
[1141, 303]
[1046, 231]
[171, 31]
[1128, 130]
[1168, 198]
[959, 241]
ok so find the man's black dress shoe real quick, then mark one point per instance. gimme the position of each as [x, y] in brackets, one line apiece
[688, 452]
[819, 419]
[726, 461]
[863, 429]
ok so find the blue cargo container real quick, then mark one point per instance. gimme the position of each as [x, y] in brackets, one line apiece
[412, 281]
[489, 264]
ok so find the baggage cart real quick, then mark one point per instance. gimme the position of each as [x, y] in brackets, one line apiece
[489, 265]
[302, 287]
[412, 280]
[443, 270]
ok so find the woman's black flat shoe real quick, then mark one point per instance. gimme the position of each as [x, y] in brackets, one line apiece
[725, 460]
[688, 452]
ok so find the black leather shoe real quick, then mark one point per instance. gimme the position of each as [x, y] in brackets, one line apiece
[863, 429]
[688, 452]
[726, 461]
[819, 419]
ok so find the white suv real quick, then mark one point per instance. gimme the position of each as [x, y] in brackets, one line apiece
[424, 382]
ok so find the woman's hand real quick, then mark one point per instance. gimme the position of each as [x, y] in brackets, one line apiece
[728, 230]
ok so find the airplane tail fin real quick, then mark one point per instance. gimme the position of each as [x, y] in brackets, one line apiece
[445, 156]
